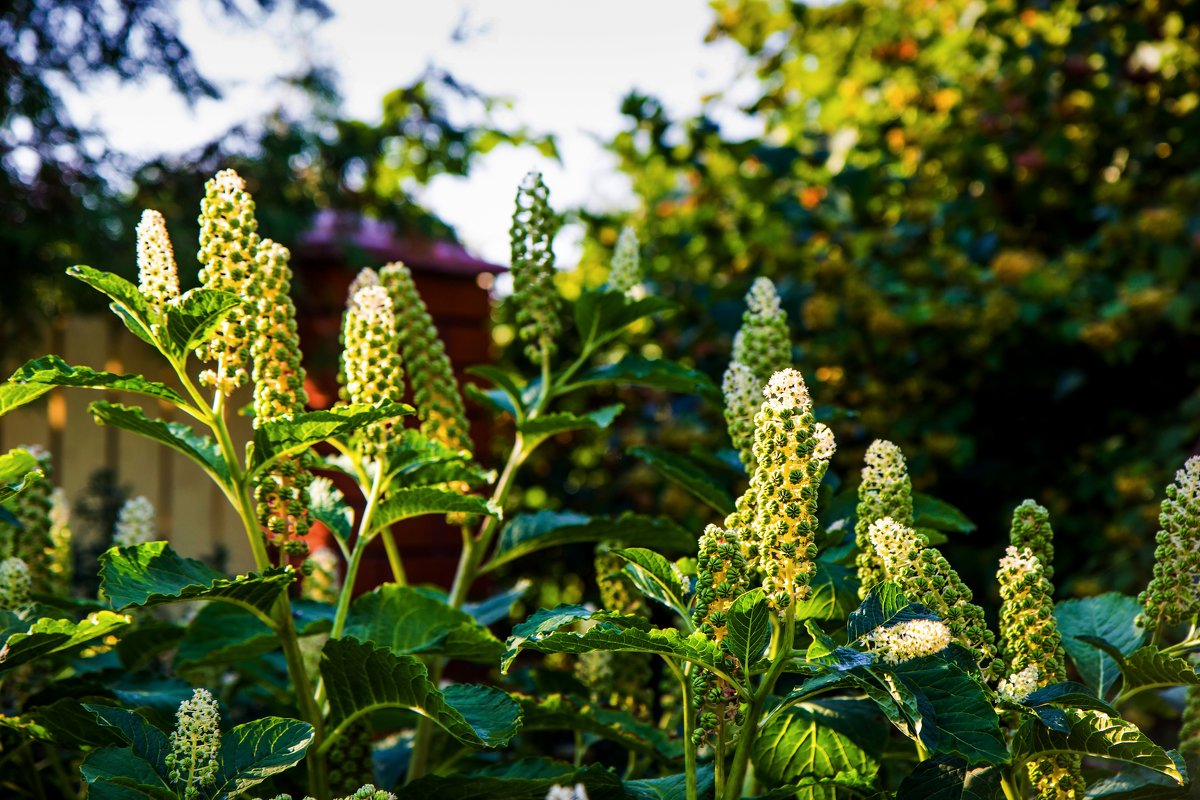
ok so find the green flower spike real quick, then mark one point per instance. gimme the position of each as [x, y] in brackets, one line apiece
[158, 277]
[741, 390]
[31, 539]
[135, 523]
[435, 391]
[626, 270]
[1031, 529]
[792, 453]
[763, 343]
[195, 744]
[534, 294]
[15, 584]
[228, 257]
[885, 491]
[371, 371]
[925, 577]
[1172, 596]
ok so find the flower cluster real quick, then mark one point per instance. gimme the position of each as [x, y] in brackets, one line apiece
[1031, 529]
[135, 523]
[626, 270]
[741, 391]
[534, 294]
[792, 453]
[1019, 685]
[904, 641]
[371, 371]
[885, 491]
[1172, 596]
[323, 583]
[926, 577]
[763, 343]
[15, 583]
[158, 277]
[195, 744]
[435, 391]
[228, 256]
[576, 792]
[350, 757]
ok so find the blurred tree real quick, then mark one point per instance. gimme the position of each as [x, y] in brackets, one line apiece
[983, 217]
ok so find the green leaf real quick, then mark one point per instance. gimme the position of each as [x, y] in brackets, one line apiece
[491, 610]
[1137, 783]
[1096, 734]
[1069, 694]
[151, 574]
[601, 783]
[494, 399]
[53, 371]
[749, 627]
[1149, 668]
[14, 395]
[560, 713]
[123, 766]
[1111, 617]
[819, 739]
[689, 475]
[145, 643]
[194, 318]
[46, 636]
[834, 592]
[277, 439]
[18, 471]
[403, 504]
[256, 750]
[601, 315]
[220, 634]
[656, 578]
[949, 778]
[407, 620]
[929, 512]
[671, 787]
[967, 725]
[179, 437]
[528, 533]
[418, 460]
[656, 374]
[534, 431]
[64, 722]
[330, 508]
[146, 741]
[111, 789]
[884, 606]
[362, 678]
[127, 302]
[509, 396]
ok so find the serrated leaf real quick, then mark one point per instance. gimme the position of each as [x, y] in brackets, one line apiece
[53, 371]
[508, 395]
[557, 712]
[1137, 783]
[1070, 694]
[256, 750]
[402, 504]
[18, 471]
[279, 438]
[884, 606]
[929, 512]
[127, 302]
[671, 787]
[126, 768]
[179, 437]
[528, 533]
[967, 725]
[110, 789]
[417, 460]
[14, 395]
[193, 319]
[1149, 668]
[406, 620]
[819, 739]
[1097, 734]
[361, 678]
[536, 430]
[655, 374]
[601, 315]
[152, 573]
[46, 636]
[689, 475]
[146, 741]
[748, 631]
[656, 578]
[494, 399]
[949, 778]
[1111, 617]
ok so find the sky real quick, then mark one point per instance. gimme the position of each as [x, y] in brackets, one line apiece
[564, 65]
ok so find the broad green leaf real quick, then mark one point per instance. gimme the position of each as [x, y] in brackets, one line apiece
[671, 787]
[689, 475]
[109, 789]
[223, 633]
[361, 678]
[151, 574]
[53, 371]
[491, 610]
[601, 783]
[833, 593]
[46, 636]
[494, 399]
[1148, 668]
[146, 741]
[748, 630]
[127, 301]
[949, 778]
[194, 318]
[656, 374]
[528, 533]
[656, 578]
[277, 439]
[601, 315]
[179, 437]
[408, 621]
[967, 725]
[557, 712]
[64, 722]
[328, 506]
[1138, 783]
[884, 606]
[929, 512]
[256, 750]
[14, 395]
[403, 504]
[146, 642]
[1096, 734]
[536, 430]
[510, 395]
[844, 784]
[18, 471]
[126, 768]
[1069, 694]
[417, 460]
[1111, 617]
[819, 739]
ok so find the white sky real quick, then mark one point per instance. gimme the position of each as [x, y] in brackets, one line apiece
[565, 66]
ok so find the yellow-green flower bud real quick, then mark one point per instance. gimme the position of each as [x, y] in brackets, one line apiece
[350, 757]
[904, 641]
[885, 491]
[371, 370]
[278, 374]
[721, 578]
[15, 584]
[228, 257]
[1031, 529]
[1028, 631]
[741, 390]
[535, 296]
[135, 523]
[926, 577]
[763, 343]
[435, 391]
[158, 277]
[792, 453]
[626, 270]
[1171, 597]
[195, 744]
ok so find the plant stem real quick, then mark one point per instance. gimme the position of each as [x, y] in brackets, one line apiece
[393, 556]
[719, 760]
